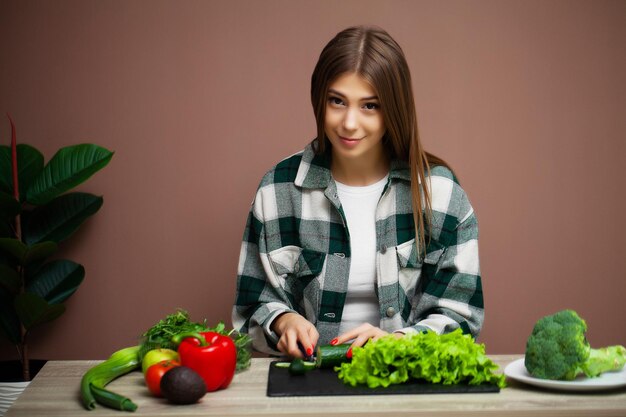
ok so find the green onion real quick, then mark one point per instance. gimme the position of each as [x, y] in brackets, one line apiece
[96, 378]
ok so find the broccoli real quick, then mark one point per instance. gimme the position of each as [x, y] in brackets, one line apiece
[558, 349]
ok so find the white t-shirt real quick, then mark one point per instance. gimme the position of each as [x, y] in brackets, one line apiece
[359, 206]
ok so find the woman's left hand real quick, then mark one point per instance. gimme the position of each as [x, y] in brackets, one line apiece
[361, 335]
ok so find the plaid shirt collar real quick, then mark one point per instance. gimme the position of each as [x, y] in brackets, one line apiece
[314, 169]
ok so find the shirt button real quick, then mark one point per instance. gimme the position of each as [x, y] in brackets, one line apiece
[383, 249]
[391, 312]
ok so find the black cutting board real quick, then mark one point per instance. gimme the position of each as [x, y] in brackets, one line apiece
[318, 382]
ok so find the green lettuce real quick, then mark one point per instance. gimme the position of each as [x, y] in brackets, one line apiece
[452, 358]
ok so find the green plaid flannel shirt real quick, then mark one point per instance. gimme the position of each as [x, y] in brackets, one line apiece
[295, 254]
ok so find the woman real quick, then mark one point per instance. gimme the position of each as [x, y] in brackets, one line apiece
[343, 242]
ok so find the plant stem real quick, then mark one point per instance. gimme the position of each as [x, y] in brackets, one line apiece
[18, 228]
[16, 188]
[16, 182]
[24, 358]
[23, 348]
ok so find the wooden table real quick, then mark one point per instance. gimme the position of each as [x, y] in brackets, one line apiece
[54, 392]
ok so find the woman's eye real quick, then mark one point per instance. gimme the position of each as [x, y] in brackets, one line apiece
[335, 100]
[371, 106]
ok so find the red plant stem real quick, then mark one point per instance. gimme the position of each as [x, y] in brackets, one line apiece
[16, 183]
[16, 189]
[18, 234]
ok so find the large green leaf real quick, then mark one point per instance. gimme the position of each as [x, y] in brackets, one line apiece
[9, 322]
[10, 279]
[69, 167]
[29, 166]
[57, 280]
[60, 218]
[9, 206]
[13, 247]
[33, 310]
[26, 254]
[5, 231]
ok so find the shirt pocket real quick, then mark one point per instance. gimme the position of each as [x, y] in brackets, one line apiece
[407, 254]
[411, 267]
[298, 271]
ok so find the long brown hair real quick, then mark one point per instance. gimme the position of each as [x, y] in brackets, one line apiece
[374, 55]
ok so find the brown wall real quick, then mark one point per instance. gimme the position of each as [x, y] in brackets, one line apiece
[526, 99]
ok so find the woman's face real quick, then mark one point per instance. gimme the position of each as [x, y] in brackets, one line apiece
[354, 121]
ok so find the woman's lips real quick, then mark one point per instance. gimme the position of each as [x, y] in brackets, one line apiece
[350, 142]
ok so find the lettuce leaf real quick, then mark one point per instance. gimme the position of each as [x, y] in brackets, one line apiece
[451, 358]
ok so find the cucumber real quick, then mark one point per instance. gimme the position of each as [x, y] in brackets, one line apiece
[297, 367]
[307, 364]
[329, 356]
[282, 364]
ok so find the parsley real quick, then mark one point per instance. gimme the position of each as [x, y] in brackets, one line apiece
[160, 336]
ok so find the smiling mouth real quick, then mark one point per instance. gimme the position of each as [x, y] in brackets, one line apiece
[350, 139]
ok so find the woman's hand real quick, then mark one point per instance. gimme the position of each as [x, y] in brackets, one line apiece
[292, 329]
[361, 335]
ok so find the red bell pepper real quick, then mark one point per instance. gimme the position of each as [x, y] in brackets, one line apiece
[211, 355]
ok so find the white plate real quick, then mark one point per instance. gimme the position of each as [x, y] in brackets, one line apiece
[608, 380]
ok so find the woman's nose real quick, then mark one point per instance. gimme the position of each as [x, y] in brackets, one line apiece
[350, 121]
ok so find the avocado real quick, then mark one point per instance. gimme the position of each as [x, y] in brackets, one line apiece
[182, 385]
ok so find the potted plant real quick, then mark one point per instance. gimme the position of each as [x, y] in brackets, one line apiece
[37, 213]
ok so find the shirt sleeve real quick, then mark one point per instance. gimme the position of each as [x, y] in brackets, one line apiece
[259, 296]
[451, 295]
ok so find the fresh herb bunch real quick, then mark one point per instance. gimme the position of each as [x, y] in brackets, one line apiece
[451, 358]
[160, 336]
[243, 343]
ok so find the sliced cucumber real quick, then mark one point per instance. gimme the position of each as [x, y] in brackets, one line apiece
[297, 367]
[282, 364]
[308, 365]
[329, 356]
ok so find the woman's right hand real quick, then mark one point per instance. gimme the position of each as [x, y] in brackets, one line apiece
[292, 329]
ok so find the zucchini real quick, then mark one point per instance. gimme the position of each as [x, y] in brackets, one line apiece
[92, 384]
[329, 356]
